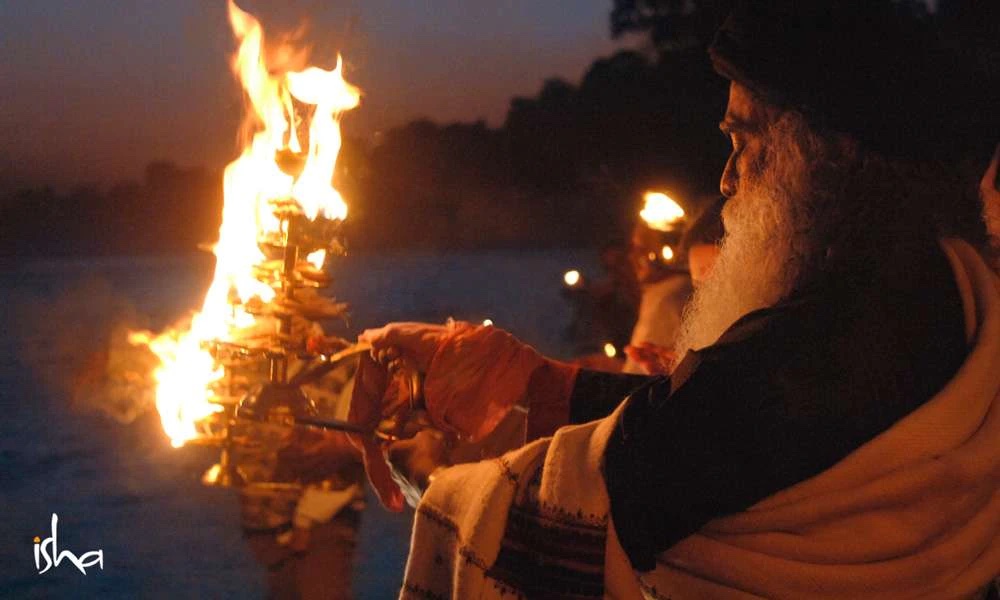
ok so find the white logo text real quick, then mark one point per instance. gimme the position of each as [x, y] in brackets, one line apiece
[47, 550]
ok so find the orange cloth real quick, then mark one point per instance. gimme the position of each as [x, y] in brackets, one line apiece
[476, 376]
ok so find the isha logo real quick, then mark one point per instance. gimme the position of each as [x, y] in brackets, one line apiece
[48, 550]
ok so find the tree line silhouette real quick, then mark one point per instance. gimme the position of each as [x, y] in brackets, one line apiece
[565, 168]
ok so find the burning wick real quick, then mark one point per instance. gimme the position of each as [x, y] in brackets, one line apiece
[572, 278]
[668, 253]
[660, 211]
[610, 351]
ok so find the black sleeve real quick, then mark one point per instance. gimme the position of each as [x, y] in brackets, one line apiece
[597, 394]
[677, 460]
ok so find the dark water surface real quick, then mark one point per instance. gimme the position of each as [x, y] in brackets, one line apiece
[122, 489]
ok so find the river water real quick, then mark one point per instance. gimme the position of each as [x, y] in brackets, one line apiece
[120, 488]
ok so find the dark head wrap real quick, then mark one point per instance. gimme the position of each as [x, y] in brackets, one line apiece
[857, 67]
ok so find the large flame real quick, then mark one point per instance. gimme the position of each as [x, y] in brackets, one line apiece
[252, 184]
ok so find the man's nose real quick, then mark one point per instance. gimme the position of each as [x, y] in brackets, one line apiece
[730, 178]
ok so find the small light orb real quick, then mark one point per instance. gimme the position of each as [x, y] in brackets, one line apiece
[572, 278]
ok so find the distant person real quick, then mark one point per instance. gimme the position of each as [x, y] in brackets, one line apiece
[700, 245]
[666, 288]
[701, 241]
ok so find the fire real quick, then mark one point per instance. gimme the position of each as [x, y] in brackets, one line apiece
[254, 185]
[660, 211]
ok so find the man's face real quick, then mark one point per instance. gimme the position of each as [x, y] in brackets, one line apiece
[767, 218]
[745, 123]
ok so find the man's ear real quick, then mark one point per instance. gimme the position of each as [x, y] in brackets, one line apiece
[991, 178]
[989, 193]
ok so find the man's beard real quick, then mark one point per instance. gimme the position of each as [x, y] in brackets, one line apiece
[768, 244]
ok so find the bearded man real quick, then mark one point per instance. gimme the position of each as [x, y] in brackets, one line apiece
[833, 429]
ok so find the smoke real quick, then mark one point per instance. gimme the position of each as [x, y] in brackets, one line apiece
[75, 344]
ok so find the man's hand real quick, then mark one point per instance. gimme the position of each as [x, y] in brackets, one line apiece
[414, 460]
[656, 360]
[416, 341]
[473, 374]
[371, 384]
[312, 456]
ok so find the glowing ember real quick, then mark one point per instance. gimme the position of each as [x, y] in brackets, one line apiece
[609, 350]
[667, 253]
[254, 185]
[660, 211]
[571, 278]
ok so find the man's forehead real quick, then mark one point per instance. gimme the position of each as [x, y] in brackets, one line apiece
[745, 110]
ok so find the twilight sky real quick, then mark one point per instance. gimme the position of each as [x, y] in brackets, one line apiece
[93, 90]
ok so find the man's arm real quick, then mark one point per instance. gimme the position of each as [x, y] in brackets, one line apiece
[561, 394]
[596, 394]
